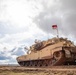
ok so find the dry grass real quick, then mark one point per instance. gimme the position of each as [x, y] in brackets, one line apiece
[39, 73]
[23, 71]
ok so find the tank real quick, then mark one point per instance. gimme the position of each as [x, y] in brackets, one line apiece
[51, 52]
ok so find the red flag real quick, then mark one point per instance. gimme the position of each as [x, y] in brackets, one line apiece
[54, 26]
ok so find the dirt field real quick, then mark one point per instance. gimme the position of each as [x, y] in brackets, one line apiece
[24, 71]
[39, 73]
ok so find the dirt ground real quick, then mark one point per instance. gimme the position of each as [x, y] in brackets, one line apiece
[39, 73]
[24, 71]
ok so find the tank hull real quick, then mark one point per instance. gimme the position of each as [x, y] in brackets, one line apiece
[54, 58]
[57, 60]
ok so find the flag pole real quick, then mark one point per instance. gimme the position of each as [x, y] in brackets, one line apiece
[57, 33]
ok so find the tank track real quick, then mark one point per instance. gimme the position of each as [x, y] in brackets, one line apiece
[57, 59]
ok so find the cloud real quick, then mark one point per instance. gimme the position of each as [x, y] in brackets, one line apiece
[16, 16]
[60, 12]
[69, 15]
[16, 27]
[9, 56]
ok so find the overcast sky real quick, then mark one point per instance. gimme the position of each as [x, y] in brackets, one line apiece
[23, 21]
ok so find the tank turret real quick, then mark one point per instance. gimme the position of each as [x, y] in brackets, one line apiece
[42, 44]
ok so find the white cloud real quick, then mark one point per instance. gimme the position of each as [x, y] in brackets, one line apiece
[16, 26]
[18, 13]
